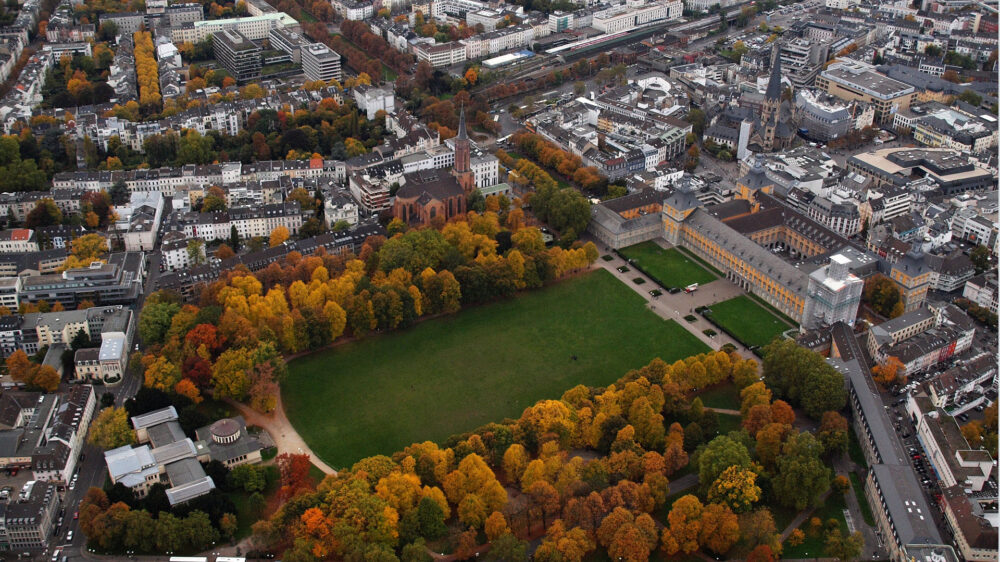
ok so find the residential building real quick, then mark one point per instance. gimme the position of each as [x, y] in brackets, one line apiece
[951, 334]
[26, 522]
[18, 240]
[439, 55]
[955, 462]
[971, 523]
[340, 207]
[982, 290]
[371, 100]
[140, 220]
[240, 56]
[56, 457]
[174, 253]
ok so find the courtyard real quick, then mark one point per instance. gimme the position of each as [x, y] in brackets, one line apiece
[668, 267]
[747, 321]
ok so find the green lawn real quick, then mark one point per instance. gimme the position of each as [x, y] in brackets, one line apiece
[453, 374]
[859, 492]
[669, 268]
[721, 396]
[747, 321]
[813, 546]
[728, 423]
[854, 448]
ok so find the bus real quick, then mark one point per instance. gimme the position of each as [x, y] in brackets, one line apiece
[188, 559]
[691, 288]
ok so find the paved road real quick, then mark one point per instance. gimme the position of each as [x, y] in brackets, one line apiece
[285, 437]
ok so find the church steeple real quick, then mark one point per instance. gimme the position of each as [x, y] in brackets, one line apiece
[774, 83]
[463, 156]
[461, 125]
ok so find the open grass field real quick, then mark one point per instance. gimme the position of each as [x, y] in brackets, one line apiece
[453, 374]
[747, 321]
[669, 268]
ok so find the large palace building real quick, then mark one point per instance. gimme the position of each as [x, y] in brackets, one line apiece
[756, 241]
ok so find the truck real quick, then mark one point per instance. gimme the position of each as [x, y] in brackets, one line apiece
[691, 288]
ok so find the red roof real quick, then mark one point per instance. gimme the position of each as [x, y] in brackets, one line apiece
[20, 234]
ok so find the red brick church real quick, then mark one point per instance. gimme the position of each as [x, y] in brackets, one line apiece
[428, 194]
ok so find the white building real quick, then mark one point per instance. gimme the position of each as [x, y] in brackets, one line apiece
[444, 54]
[982, 290]
[629, 18]
[253, 27]
[18, 241]
[371, 100]
[140, 220]
[174, 254]
[833, 295]
[486, 168]
[339, 208]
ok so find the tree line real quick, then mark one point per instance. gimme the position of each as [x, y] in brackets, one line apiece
[586, 471]
[232, 342]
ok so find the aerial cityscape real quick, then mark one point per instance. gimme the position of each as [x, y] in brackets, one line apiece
[551, 280]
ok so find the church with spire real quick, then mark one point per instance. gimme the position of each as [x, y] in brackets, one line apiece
[773, 129]
[463, 157]
[432, 195]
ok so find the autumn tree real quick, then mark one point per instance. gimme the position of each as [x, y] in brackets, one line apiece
[474, 477]
[883, 296]
[736, 488]
[842, 547]
[719, 528]
[628, 536]
[278, 236]
[722, 453]
[85, 250]
[832, 433]
[888, 373]
[562, 544]
[683, 529]
[111, 429]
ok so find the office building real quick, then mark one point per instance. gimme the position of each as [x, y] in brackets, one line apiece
[857, 81]
[237, 54]
[319, 62]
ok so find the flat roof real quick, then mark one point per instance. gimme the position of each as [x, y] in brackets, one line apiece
[868, 81]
